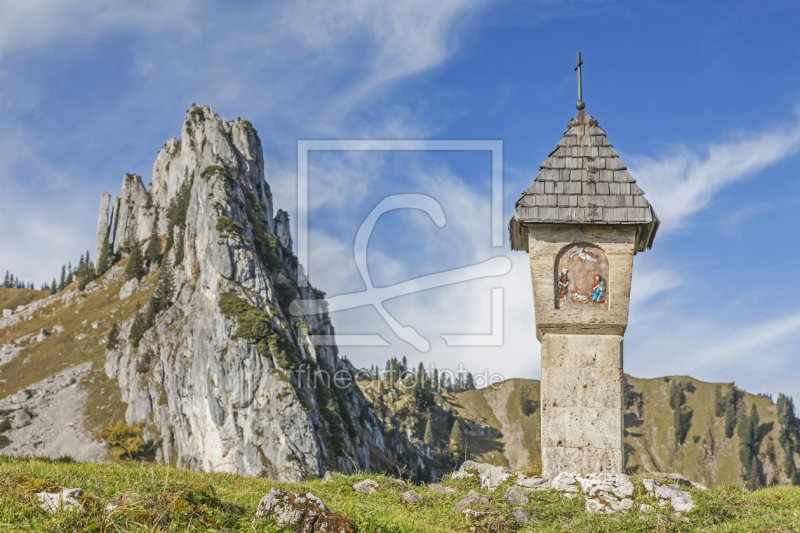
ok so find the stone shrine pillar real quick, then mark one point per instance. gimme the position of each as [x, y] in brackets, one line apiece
[581, 222]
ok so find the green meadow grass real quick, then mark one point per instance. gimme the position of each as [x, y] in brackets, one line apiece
[159, 498]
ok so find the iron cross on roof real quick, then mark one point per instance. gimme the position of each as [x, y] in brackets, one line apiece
[580, 104]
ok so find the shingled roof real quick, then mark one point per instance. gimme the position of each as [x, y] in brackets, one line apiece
[583, 182]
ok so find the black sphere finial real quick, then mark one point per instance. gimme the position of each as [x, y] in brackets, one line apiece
[580, 105]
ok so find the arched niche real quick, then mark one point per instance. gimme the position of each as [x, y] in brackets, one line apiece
[581, 277]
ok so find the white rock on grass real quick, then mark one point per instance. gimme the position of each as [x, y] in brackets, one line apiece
[43, 334]
[368, 486]
[302, 513]
[412, 496]
[66, 500]
[471, 499]
[565, 482]
[129, 288]
[529, 482]
[441, 489]
[490, 476]
[604, 493]
[681, 501]
[517, 495]
[522, 517]
[7, 313]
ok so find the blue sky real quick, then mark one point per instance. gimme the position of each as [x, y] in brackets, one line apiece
[702, 101]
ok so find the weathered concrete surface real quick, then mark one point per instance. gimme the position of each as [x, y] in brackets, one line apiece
[544, 245]
[581, 388]
[582, 419]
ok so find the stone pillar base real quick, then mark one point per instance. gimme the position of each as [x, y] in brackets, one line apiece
[581, 393]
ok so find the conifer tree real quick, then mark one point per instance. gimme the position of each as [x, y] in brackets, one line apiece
[153, 251]
[429, 433]
[113, 337]
[162, 297]
[470, 384]
[135, 266]
[105, 257]
[719, 401]
[53, 287]
[436, 378]
[730, 411]
[179, 248]
[457, 442]
[63, 284]
[138, 327]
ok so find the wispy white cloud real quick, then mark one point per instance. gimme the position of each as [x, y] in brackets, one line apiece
[751, 340]
[299, 69]
[651, 282]
[683, 182]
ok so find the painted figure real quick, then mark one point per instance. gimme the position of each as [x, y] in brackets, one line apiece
[584, 255]
[599, 290]
[563, 282]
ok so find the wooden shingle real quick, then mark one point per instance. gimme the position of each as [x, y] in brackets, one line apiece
[583, 181]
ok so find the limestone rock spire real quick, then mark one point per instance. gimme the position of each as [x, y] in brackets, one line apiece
[102, 225]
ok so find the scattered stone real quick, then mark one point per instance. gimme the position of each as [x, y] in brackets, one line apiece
[594, 506]
[120, 500]
[412, 496]
[66, 500]
[58, 328]
[43, 334]
[80, 336]
[368, 486]
[91, 287]
[604, 493]
[565, 482]
[7, 313]
[522, 517]
[644, 507]
[665, 518]
[530, 482]
[329, 476]
[680, 480]
[97, 323]
[473, 514]
[619, 485]
[681, 501]
[302, 513]
[471, 499]
[490, 476]
[441, 489]
[129, 288]
[517, 495]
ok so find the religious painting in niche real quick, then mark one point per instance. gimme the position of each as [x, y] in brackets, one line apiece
[581, 277]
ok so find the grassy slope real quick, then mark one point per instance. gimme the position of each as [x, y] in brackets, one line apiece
[473, 404]
[167, 499]
[11, 298]
[58, 352]
[713, 460]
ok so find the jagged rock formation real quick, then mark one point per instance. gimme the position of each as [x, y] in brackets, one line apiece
[102, 224]
[217, 399]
